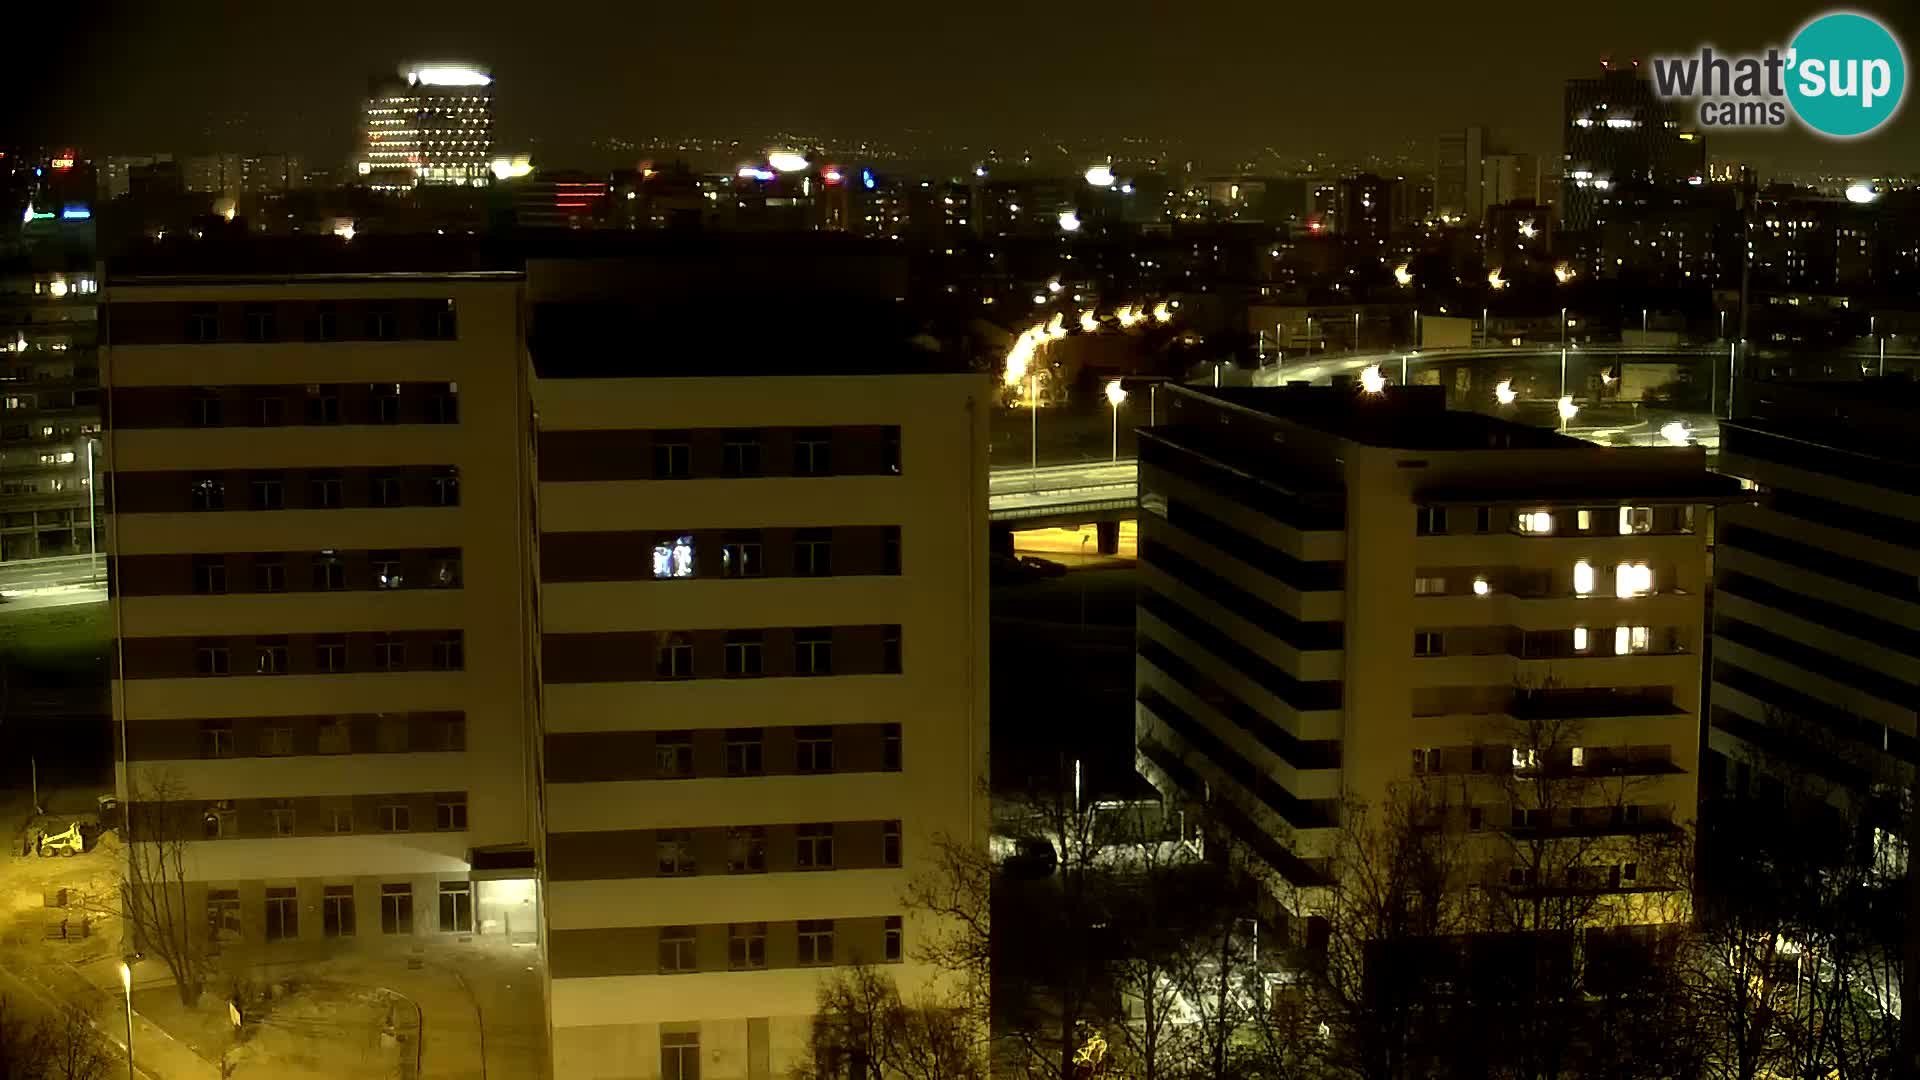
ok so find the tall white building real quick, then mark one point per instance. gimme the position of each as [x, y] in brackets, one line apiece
[433, 124]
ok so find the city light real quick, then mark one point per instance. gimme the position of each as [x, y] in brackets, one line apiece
[1504, 392]
[58, 287]
[1495, 281]
[1528, 230]
[1161, 313]
[1568, 410]
[1563, 273]
[787, 160]
[75, 213]
[1100, 176]
[1057, 326]
[1861, 193]
[1676, 433]
[1069, 221]
[1372, 381]
[1116, 393]
[751, 172]
[1480, 587]
[866, 179]
[1127, 316]
[1403, 274]
[831, 175]
[344, 230]
[449, 76]
[512, 168]
[1088, 324]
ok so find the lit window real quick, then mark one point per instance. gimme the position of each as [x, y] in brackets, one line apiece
[1630, 639]
[1580, 640]
[1583, 578]
[1536, 522]
[1632, 579]
[1429, 586]
[673, 557]
[1635, 519]
[1586, 520]
[1525, 759]
[1579, 757]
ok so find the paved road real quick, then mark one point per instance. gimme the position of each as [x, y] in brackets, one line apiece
[34, 574]
[1013, 491]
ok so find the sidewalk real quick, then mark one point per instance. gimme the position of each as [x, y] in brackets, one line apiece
[155, 1053]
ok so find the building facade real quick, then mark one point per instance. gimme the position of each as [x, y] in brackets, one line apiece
[432, 125]
[1426, 598]
[49, 408]
[321, 674]
[1617, 131]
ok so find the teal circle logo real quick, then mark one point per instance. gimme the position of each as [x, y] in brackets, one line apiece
[1848, 75]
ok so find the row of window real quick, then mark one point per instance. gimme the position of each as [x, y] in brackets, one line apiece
[1630, 579]
[280, 818]
[383, 734]
[747, 945]
[742, 554]
[1572, 760]
[349, 320]
[719, 453]
[757, 751]
[327, 654]
[280, 917]
[744, 653]
[1619, 520]
[324, 490]
[322, 404]
[1547, 644]
[327, 570]
[676, 856]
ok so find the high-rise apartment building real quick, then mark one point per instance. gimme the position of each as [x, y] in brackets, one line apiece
[1363, 215]
[1815, 603]
[1617, 131]
[431, 125]
[1344, 593]
[323, 657]
[49, 407]
[1506, 178]
[1456, 173]
[762, 592]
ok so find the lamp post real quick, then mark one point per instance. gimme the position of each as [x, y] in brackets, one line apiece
[1486, 335]
[93, 501]
[1563, 329]
[126, 985]
[1115, 395]
[1356, 331]
[1033, 440]
[1643, 325]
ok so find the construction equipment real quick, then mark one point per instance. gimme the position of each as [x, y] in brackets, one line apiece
[64, 844]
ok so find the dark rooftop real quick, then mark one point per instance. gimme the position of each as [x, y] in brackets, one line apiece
[1872, 417]
[1399, 418]
[276, 258]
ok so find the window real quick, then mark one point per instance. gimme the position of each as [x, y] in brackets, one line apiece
[209, 573]
[389, 653]
[396, 908]
[1632, 579]
[270, 657]
[386, 570]
[746, 850]
[812, 452]
[216, 738]
[890, 549]
[1579, 757]
[1583, 578]
[260, 323]
[437, 321]
[269, 574]
[746, 946]
[743, 752]
[267, 491]
[815, 850]
[1624, 875]
[330, 653]
[1528, 817]
[890, 843]
[390, 734]
[1581, 641]
[453, 733]
[336, 910]
[220, 821]
[270, 412]
[813, 552]
[674, 850]
[1429, 586]
[890, 747]
[672, 455]
[1534, 522]
[450, 652]
[446, 487]
[890, 450]
[740, 556]
[450, 813]
[443, 571]
[384, 404]
[1476, 817]
[1426, 759]
[1430, 520]
[324, 325]
[743, 652]
[1525, 759]
[673, 557]
[207, 410]
[740, 454]
[1584, 519]
[276, 741]
[816, 941]
[673, 754]
[890, 650]
[1520, 877]
[210, 658]
[443, 404]
[1635, 519]
[325, 492]
[1631, 639]
[383, 489]
[679, 1055]
[335, 736]
[223, 914]
[283, 914]
[203, 325]
[813, 651]
[1428, 643]
[814, 750]
[456, 907]
[329, 572]
[676, 948]
[674, 659]
[209, 491]
[396, 817]
[1483, 519]
[280, 820]
[323, 404]
[896, 933]
[381, 325]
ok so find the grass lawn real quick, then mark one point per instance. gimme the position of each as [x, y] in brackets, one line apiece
[64, 645]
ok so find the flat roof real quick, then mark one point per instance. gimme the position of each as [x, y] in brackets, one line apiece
[1871, 417]
[210, 260]
[1399, 418]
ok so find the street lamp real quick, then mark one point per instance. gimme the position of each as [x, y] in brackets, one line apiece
[1504, 392]
[126, 985]
[93, 501]
[1563, 328]
[1115, 395]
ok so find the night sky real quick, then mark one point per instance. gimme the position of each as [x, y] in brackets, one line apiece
[1363, 76]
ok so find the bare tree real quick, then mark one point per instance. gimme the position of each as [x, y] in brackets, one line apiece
[64, 1045]
[864, 1030]
[154, 899]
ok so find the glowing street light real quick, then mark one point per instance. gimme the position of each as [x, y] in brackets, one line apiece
[126, 986]
[1115, 395]
[1504, 393]
[1403, 275]
[1100, 176]
[1563, 273]
[1675, 433]
[1568, 410]
[1127, 316]
[1528, 230]
[1862, 193]
[787, 160]
[1161, 313]
[1372, 381]
[1069, 221]
[1088, 324]
[1057, 326]
[1495, 281]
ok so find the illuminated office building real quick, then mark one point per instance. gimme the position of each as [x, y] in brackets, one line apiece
[431, 125]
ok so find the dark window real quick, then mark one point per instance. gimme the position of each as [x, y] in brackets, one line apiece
[386, 570]
[283, 915]
[381, 325]
[268, 492]
[446, 486]
[396, 817]
[389, 653]
[269, 574]
[673, 754]
[216, 738]
[453, 733]
[450, 814]
[210, 658]
[270, 411]
[746, 850]
[437, 321]
[675, 657]
[260, 323]
[209, 573]
[896, 932]
[449, 652]
[220, 822]
[443, 404]
[384, 489]
[890, 651]
[740, 453]
[672, 455]
[673, 849]
[744, 752]
[443, 571]
[325, 492]
[814, 849]
[271, 656]
[280, 819]
[1429, 643]
[1431, 520]
[208, 411]
[336, 910]
[677, 949]
[743, 652]
[746, 946]
[740, 555]
[816, 941]
[812, 452]
[1483, 519]
[323, 404]
[890, 747]
[396, 908]
[384, 406]
[679, 1055]
[814, 750]
[813, 651]
[890, 843]
[336, 737]
[813, 552]
[323, 325]
[330, 653]
[329, 573]
[890, 549]
[209, 491]
[891, 449]
[203, 325]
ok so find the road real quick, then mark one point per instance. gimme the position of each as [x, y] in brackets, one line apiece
[56, 582]
[1017, 492]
